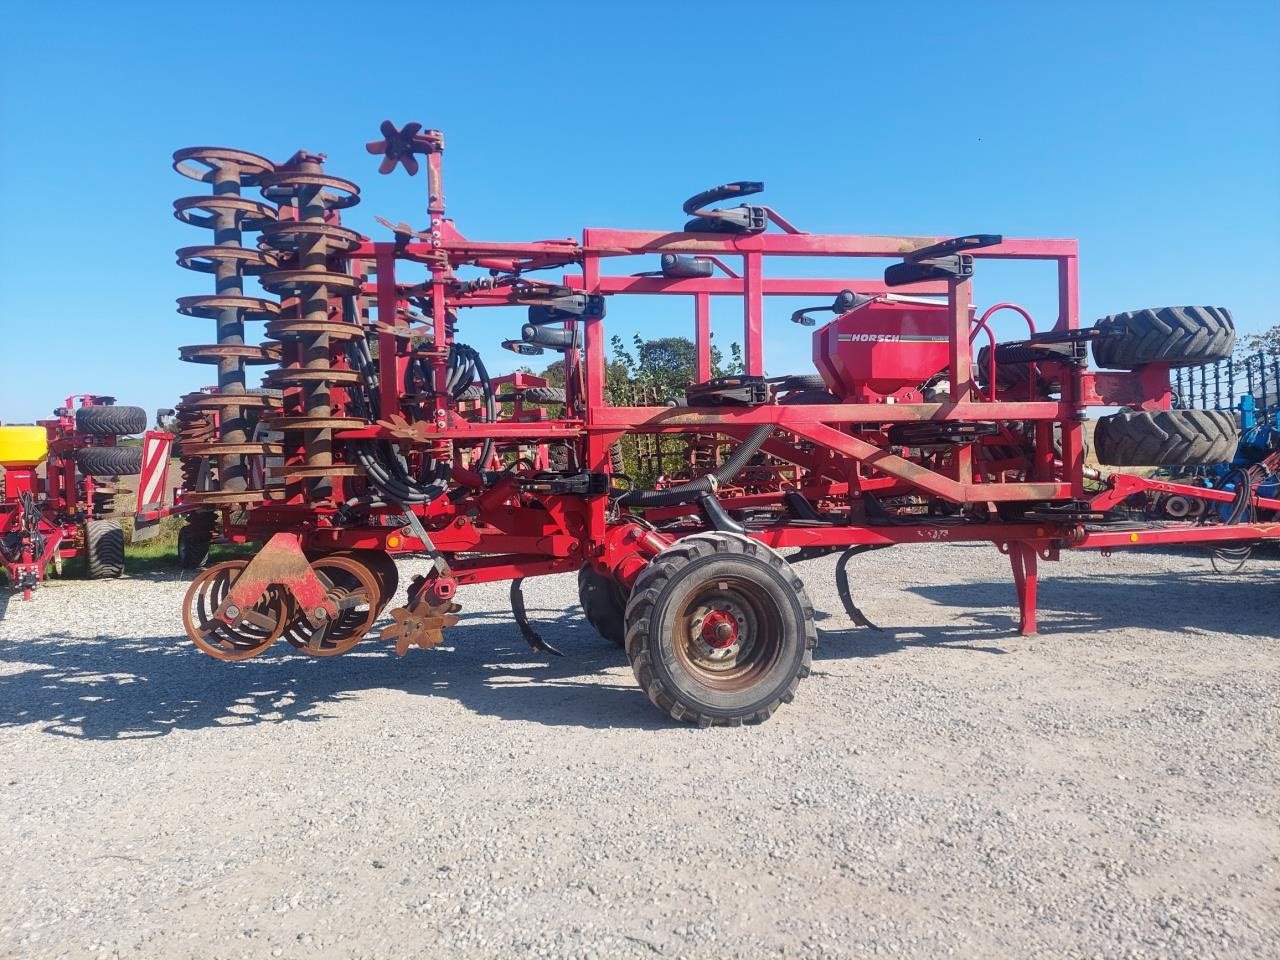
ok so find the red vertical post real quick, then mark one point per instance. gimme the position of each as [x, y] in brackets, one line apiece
[597, 448]
[753, 312]
[1073, 429]
[702, 320]
[960, 358]
[385, 265]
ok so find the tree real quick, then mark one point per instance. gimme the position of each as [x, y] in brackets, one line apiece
[1268, 342]
[661, 369]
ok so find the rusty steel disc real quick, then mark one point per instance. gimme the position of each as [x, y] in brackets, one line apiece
[285, 376]
[384, 568]
[217, 498]
[219, 449]
[217, 401]
[251, 167]
[300, 282]
[354, 590]
[251, 214]
[349, 194]
[289, 234]
[281, 329]
[205, 259]
[253, 632]
[315, 423]
[216, 352]
[209, 306]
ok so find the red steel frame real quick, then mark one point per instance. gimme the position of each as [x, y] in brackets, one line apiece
[63, 497]
[503, 539]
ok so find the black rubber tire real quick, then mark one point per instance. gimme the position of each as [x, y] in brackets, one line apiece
[804, 398]
[193, 546]
[1166, 438]
[604, 604]
[103, 549]
[1009, 375]
[109, 461]
[670, 584]
[473, 392]
[539, 395]
[111, 421]
[1178, 336]
[558, 457]
[802, 381]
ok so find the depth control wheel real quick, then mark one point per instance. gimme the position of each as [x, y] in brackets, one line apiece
[719, 630]
[253, 632]
[357, 593]
[604, 604]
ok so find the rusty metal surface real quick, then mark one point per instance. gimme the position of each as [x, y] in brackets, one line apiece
[281, 563]
[306, 244]
[420, 624]
[228, 215]
[250, 631]
[354, 590]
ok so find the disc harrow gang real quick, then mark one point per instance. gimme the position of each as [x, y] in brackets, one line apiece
[215, 439]
[376, 432]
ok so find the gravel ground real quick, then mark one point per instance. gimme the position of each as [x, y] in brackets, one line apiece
[943, 787]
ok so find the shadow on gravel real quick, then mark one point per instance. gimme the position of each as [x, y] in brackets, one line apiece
[1244, 602]
[112, 688]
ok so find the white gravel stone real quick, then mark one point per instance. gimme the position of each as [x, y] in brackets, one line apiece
[1109, 788]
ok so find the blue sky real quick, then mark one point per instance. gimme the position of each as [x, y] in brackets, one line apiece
[1150, 131]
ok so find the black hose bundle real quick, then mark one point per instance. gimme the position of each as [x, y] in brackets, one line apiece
[1241, 511]
[686, 492]
[388, 470]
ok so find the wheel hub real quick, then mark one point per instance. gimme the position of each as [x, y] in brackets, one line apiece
[719, 631]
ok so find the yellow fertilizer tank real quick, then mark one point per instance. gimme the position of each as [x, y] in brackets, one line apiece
[23, 446]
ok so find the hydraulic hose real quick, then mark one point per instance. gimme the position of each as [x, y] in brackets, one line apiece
[705, 484]
[1241, 509]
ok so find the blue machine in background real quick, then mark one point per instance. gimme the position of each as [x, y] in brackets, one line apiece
[1251, 387]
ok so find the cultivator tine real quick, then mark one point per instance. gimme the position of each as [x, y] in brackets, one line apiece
[846, 595]
[531, 636]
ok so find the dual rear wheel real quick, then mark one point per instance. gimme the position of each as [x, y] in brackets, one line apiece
[1179, 337]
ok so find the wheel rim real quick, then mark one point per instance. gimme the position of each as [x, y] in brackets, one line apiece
[727, 635]
[355, 591]
[257, 629]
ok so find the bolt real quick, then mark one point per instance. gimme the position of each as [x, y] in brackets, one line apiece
[233, 612]
[320, 614]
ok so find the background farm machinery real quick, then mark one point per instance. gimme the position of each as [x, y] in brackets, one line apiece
[71, 509]
[378, 431]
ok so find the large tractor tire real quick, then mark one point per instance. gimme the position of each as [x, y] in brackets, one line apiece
[103, 549]
[720, 630]
[1178, 336]
[109, 461]
[1166, 438]
[194, 540]
[604, 604]
[111, 421]
[536, 396]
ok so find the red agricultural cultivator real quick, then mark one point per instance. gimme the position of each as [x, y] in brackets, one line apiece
[71, 509]
[379, 432]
